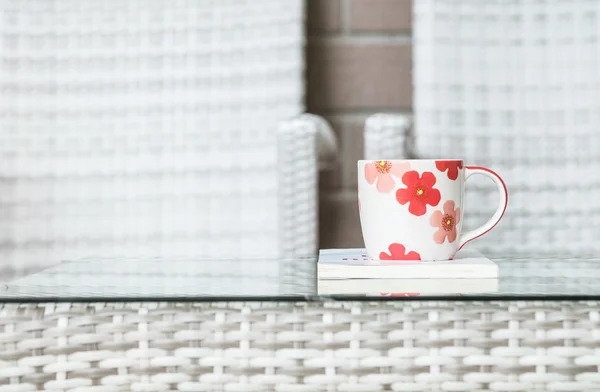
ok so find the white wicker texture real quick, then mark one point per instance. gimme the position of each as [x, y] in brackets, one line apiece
[352, 346]
[144, 127]
[514, 86]
[387, 136]
[304, 144]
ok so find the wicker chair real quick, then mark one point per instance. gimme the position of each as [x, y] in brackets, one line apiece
[514, 87]
[155, 128]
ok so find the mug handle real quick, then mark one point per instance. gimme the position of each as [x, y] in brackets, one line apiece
[489, 225]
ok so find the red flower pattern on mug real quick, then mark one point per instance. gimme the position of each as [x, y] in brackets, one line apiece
[451, 166]
[381, 171]
[419, 192]
[398, 252]
[446, 223]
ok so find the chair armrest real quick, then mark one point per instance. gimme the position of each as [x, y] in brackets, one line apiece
[305, 145]
[387, 136]
[327, 145]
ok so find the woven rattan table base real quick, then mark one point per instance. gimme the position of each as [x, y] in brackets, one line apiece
[301, 346]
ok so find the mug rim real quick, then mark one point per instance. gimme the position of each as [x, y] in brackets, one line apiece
[411, 160]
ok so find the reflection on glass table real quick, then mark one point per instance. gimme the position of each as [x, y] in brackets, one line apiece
[216, 279]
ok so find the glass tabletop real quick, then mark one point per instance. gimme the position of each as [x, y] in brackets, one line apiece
[212, 279]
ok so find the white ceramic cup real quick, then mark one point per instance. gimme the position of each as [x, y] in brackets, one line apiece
[413, 209]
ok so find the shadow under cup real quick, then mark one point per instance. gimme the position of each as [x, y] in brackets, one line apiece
[413, 209]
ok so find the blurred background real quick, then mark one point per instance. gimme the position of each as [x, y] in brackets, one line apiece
[509, 84]
[359, 62]
[168, 128]
[149, 127]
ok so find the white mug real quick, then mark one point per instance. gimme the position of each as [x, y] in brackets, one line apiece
[413, 209]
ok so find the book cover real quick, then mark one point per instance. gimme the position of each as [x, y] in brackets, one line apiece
[406, 287]
[355, 264]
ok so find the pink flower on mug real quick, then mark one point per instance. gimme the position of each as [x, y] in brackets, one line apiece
[398, 252]
[452, 167]
[419, 192]
[445, 222]
[381, 171]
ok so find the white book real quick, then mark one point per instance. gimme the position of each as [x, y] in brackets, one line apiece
[406, 287]
[355, 264]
